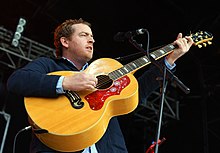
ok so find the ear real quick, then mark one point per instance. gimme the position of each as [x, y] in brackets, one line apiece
[64, 41]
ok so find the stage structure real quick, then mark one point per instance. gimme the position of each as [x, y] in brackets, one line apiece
[27, 50]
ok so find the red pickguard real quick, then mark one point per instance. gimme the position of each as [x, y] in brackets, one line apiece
[97, 99]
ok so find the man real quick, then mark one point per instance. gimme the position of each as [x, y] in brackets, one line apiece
[74, 41]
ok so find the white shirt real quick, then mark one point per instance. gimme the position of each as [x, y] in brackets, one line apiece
[91, 149]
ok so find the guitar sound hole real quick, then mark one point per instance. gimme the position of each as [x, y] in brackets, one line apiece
[104, 82]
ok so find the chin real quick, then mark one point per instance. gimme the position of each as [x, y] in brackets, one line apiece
[89, 58]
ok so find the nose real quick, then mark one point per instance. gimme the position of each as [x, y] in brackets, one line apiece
[91, 39]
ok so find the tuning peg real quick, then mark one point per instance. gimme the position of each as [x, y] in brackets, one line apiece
[204, 44]
[209, 42]
[200, 46]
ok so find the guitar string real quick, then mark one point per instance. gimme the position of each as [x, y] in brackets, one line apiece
[131, 66]
[105, 81]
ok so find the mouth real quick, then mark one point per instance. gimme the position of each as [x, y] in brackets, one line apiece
[89, 47]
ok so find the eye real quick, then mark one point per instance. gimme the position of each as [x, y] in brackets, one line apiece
[83, 34]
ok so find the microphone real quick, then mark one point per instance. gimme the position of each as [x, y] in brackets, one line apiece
[121, 36]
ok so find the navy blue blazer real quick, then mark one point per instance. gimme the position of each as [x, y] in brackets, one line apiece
[32, 80]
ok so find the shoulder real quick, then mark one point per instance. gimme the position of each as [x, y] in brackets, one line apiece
[43, 60]
[40, 63]
[46, 59]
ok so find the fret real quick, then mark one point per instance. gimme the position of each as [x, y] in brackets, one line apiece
[145, 59]
[129, 66]
[162, 51]
[156, 54]
[153, 55]
[138, 63]
[133, 65]
[117, 74]
[120, 72]
[113, 75]
[169, 48]
[142, 61]
[125, 70]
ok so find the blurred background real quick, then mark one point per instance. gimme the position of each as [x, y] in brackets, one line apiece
[190, 121]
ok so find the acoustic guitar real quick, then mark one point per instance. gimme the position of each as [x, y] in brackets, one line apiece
[75, 120]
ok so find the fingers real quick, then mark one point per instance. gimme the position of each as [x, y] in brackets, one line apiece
[180, 35]
[184, 42]
[87, 81]
[80, 81]
[92, 82]
[190, 40]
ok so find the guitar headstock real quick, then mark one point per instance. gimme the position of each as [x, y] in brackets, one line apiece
[202, 38]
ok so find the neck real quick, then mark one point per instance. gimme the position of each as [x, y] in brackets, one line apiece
[78, 65]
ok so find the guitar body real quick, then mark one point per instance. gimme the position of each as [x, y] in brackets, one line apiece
[64, 128]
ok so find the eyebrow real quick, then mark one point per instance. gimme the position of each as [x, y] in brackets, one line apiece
[85, 33]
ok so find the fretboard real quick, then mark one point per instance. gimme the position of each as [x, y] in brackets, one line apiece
[140, 62]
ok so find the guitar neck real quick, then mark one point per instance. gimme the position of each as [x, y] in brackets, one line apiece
[200, 38]
[141, 62]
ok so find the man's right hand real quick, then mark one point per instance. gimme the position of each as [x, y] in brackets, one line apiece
[80, 81]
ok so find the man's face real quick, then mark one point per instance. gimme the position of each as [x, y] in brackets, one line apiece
[80, 44]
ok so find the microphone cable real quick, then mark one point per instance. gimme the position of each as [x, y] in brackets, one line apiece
[15, 139]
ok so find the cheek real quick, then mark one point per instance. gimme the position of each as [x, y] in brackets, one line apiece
[78, 44]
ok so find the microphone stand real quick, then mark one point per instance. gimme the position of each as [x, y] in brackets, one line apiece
[170, 76]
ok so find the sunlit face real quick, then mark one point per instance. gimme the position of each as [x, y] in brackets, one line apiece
[80, 44]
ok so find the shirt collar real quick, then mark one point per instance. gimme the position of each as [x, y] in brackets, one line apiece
[83, 68]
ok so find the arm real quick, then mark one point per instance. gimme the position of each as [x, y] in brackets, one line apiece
[147, 81]
[32, 80]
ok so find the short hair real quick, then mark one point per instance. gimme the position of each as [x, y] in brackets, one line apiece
[65, 30]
